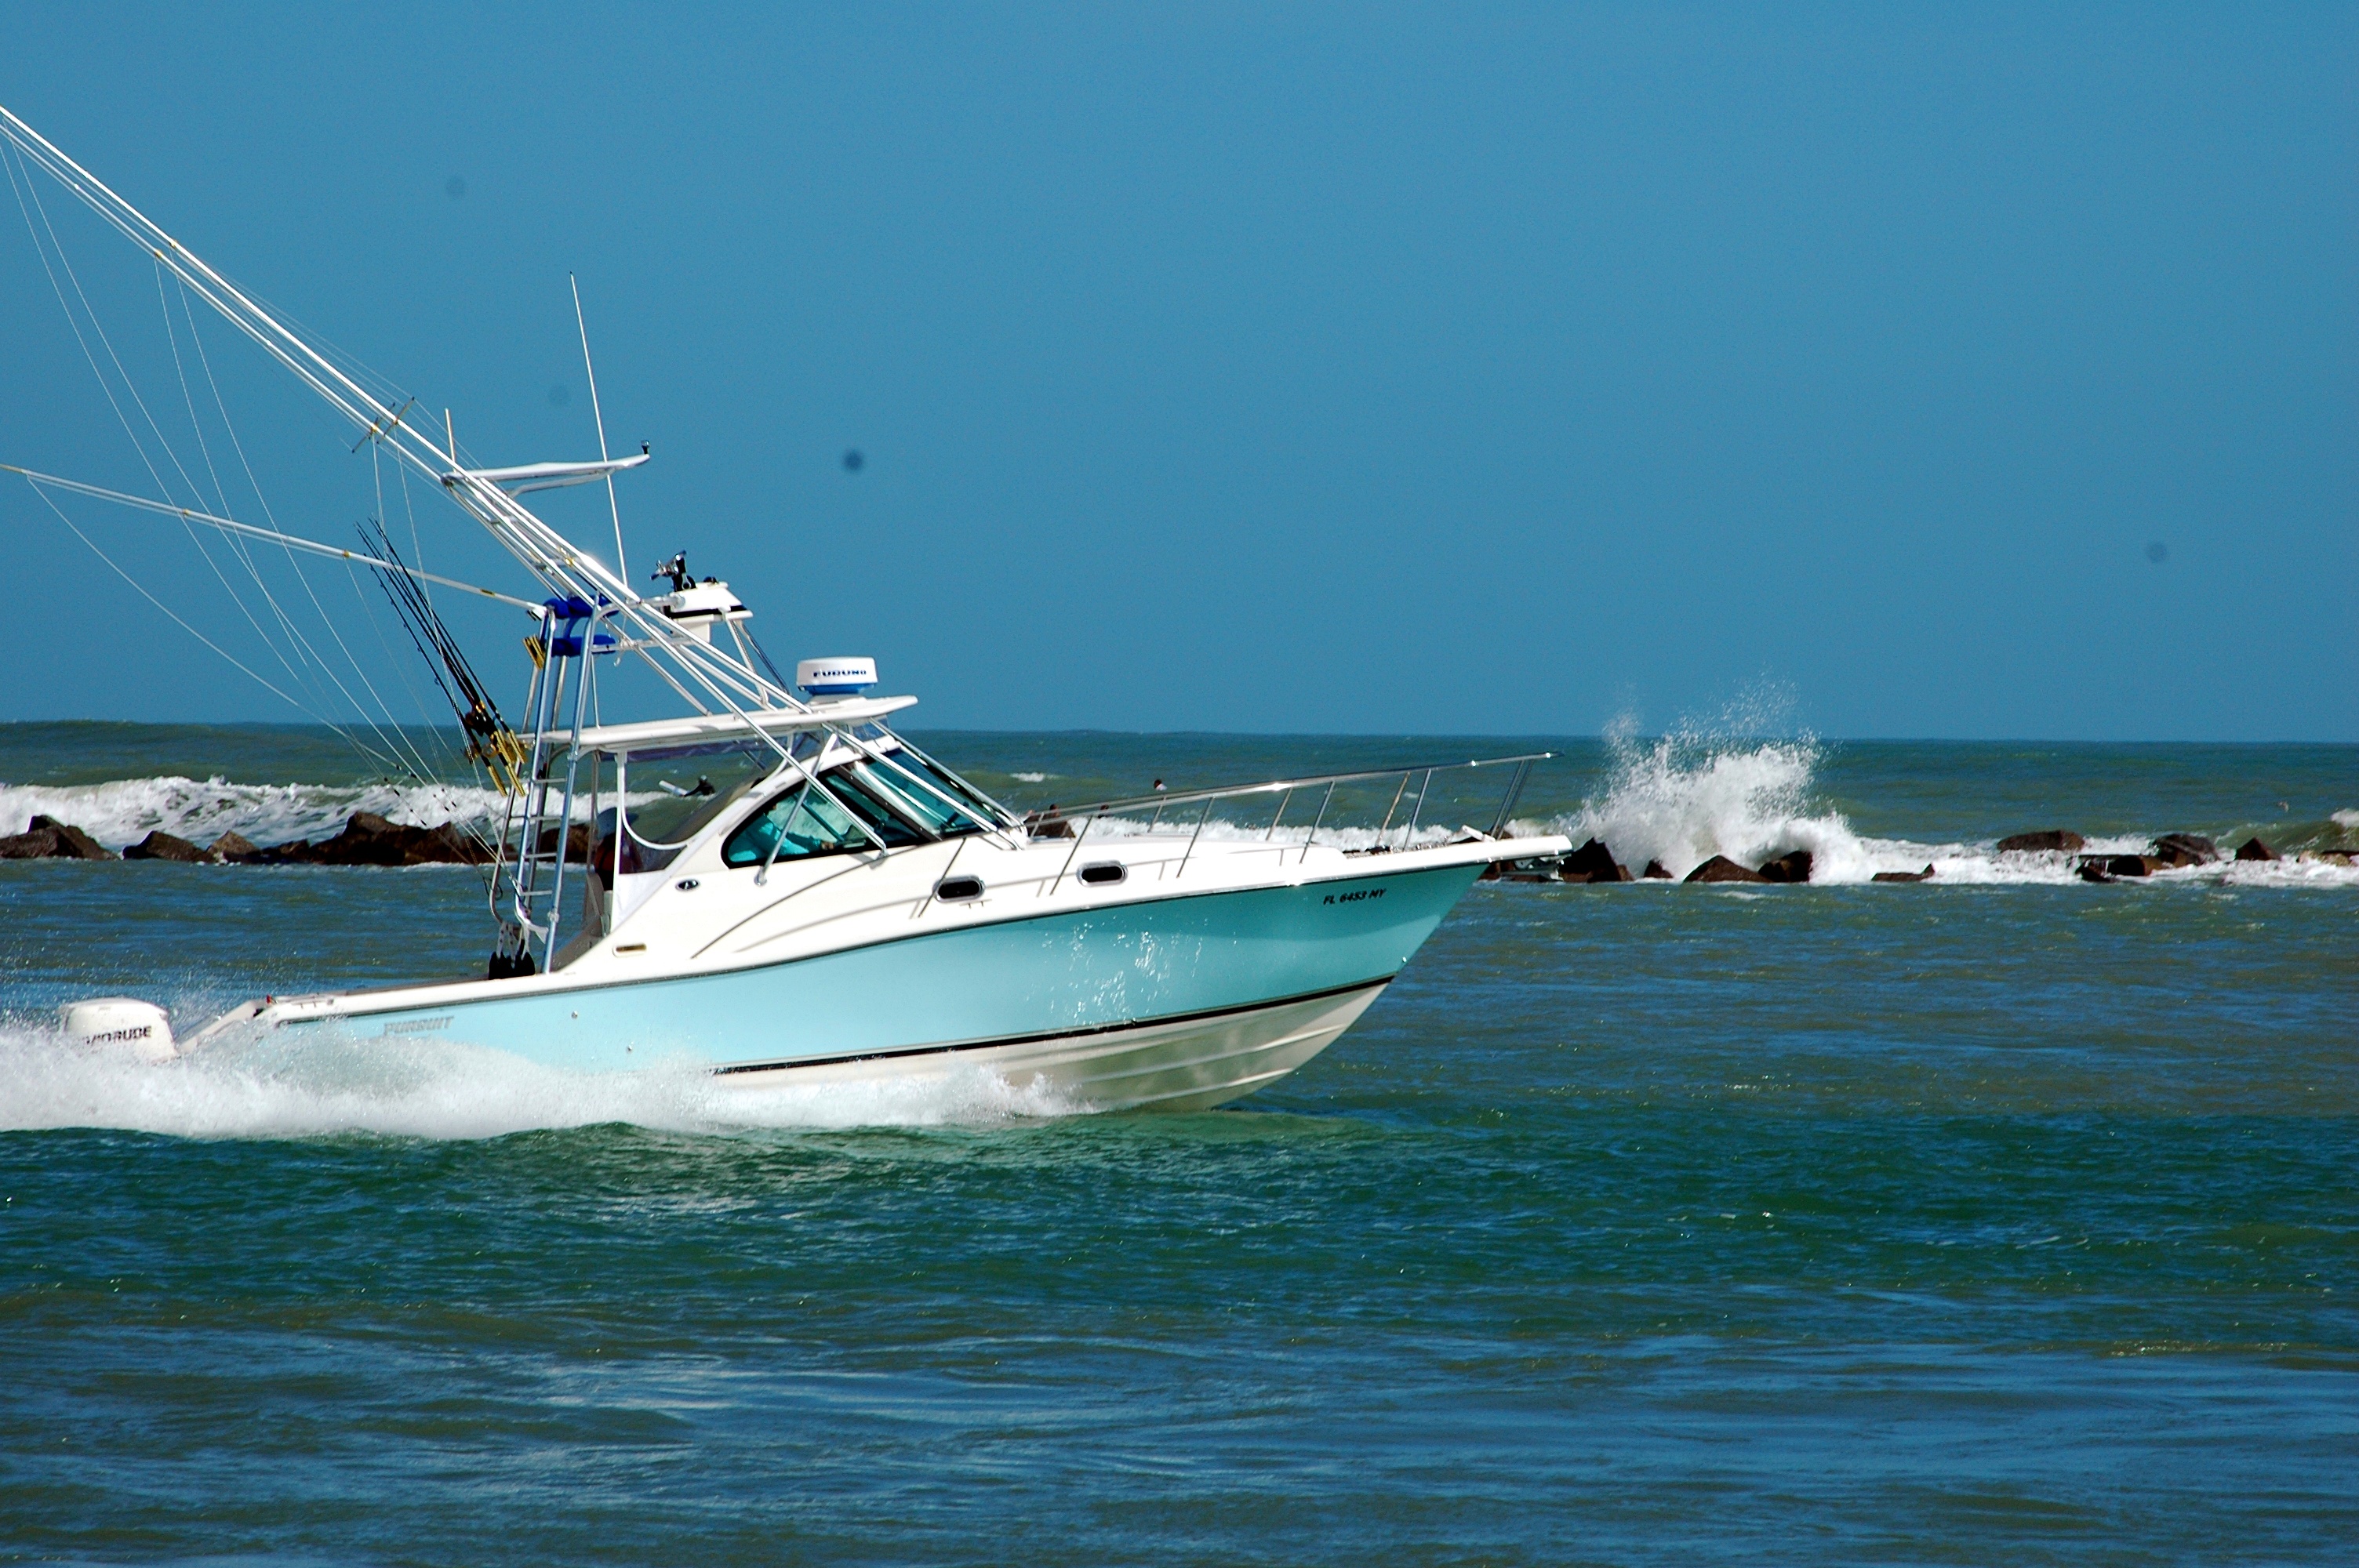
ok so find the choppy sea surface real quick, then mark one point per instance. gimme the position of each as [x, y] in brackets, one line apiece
[2000, 1218]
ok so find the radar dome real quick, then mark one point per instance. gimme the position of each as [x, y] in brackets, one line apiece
[835, 677]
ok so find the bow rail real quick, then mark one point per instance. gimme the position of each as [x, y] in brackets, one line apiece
[1056, 822]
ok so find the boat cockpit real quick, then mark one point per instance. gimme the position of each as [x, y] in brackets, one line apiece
[828, 795]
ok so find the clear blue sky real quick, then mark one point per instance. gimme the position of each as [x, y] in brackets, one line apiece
[1449, 369]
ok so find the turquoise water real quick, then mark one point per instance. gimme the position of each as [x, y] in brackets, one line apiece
[1997, 1219]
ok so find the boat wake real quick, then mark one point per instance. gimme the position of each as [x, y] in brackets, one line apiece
[447, 1090]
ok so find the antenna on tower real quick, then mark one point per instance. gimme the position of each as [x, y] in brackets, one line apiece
[612, 507]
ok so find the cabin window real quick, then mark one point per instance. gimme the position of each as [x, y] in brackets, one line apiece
[804, 821]
[675, 795]
[958, 890]
[1103, 873]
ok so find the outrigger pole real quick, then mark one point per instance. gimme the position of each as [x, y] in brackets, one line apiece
[269, 535]
[487, 494]
[586, 595]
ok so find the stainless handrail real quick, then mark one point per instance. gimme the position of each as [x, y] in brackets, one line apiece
[1077, 820]
[1273, 786]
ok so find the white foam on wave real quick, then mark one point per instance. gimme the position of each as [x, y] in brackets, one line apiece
[1689, 796]
[446, 1090]
[1684, 798]
[124, 811]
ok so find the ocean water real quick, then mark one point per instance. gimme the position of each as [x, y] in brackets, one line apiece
[1996, 1218]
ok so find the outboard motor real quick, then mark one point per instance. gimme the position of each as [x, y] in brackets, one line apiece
[120, 1021]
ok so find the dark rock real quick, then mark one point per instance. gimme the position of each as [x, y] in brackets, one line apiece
[1924, 876]
[577, 841]
[73, 844]
[2108, 867]
[299, 852]
[2057, 839]
[161, 846]
[1655, 873]
[464, 850]
[46, 839]
[2254, 849]
[1720, 869]
[1793, 866]
[29, 845]
[369, 840]
[2185, 849]
[1593, 862]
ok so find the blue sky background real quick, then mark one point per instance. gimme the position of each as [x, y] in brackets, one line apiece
[1301, 369]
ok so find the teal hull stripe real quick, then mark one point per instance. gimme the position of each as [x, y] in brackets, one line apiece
[1063, 973]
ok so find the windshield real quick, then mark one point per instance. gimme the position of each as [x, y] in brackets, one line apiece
[927, 783]
[900, 799]
[911, 792]
[852, 784]
[885, 803]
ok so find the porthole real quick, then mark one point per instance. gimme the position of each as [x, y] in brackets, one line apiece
[958, 890]
[1105, 873]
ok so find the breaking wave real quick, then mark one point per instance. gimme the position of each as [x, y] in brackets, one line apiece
[447, 1090]
[1684, 798]
[1679, 799]
[124, 811]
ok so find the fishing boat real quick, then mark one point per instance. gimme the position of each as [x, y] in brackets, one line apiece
[766, 877]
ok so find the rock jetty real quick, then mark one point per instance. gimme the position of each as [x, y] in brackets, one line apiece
[1593, 862]
[366, 840]
[1720, 869]
[2185, 849]
[45, 838]
[161, 846]
[2051, 840]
